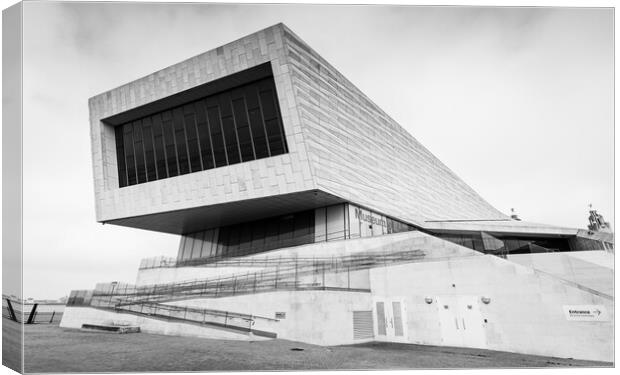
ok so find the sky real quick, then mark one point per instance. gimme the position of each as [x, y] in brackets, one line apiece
[516, 101]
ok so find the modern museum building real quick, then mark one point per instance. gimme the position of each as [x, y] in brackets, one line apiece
[306, 213]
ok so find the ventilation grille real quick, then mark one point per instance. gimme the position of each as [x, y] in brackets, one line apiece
[362, 325]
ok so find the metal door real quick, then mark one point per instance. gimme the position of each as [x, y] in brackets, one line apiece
[474, 333]
[461, 321]
[381, 321]
[448, 321]
[390, 315]
[397, 316]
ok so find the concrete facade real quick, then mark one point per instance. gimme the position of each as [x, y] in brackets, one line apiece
[526, 296]
[410, 286]
[359, 153]
[525, 313]
[279, 175]
[339, 143]
[590, 269]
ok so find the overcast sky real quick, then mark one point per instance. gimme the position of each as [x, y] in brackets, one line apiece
[517, 101]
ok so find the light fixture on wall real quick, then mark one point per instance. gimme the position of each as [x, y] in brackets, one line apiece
[428, 300]
[485, 300]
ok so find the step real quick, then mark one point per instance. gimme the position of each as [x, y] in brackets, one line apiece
[112, 328]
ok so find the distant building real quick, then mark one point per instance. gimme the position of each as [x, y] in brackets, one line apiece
[306, 213]
[598, 223]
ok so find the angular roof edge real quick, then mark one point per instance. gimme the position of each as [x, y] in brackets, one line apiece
[275, 26]
[500, 226]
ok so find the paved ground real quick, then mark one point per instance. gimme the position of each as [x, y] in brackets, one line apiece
[52, 349]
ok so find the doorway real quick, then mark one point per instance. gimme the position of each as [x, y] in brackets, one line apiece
[461, 321]
[391, 317]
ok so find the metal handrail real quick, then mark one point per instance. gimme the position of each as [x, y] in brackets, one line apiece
[364, 260]
[281, 273]
[230, 259]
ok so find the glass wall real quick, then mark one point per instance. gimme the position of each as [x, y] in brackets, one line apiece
[366, 223]
[584, 243]
[337, 222]
[230, 127]
[249, 238]
[506, 245]
[346, 221]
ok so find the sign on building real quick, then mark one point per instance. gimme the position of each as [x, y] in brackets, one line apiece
[586, 313]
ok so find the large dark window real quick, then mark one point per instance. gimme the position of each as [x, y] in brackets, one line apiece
[127, 136]
[160, 153]
[502, 246]
[251, 237]
[149, 152]
[120, 157]
[230, 127]
[171, 153]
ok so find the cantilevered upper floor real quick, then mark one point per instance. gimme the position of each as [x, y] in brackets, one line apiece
[260, 127]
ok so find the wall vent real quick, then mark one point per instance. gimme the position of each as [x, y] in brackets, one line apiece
[362, 325]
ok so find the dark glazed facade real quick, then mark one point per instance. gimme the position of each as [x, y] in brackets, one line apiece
[226, 128]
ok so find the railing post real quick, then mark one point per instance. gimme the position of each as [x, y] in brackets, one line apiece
[349, 277]
[296, 265]
[226, 319]
[52, 318]
[12, 314]
[254, 289]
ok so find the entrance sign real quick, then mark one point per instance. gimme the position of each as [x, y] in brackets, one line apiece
[586, 313]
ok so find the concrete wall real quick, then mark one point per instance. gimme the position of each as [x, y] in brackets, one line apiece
[525, 313]
[381, 244]
[591, 269]
[361, 154]
[602, 258]
[74, 317]
[277, 175]
[316, 317]
[339, 142]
